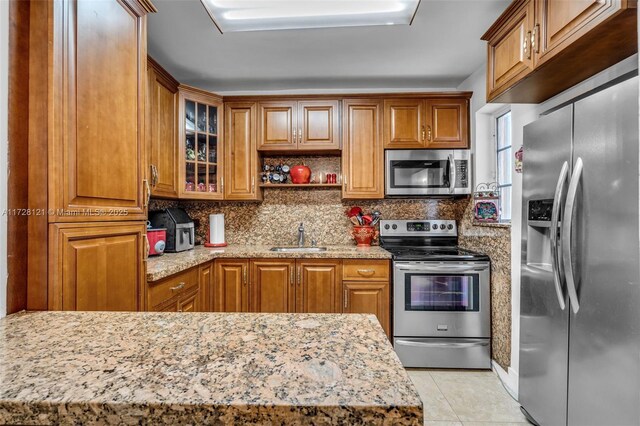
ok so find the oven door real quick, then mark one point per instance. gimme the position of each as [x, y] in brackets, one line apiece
[441, 299]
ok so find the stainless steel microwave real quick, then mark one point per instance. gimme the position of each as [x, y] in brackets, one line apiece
[427, 172]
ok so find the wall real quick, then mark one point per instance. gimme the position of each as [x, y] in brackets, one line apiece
[4, 95]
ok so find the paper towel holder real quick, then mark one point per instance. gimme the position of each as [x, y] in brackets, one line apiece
[216, 221]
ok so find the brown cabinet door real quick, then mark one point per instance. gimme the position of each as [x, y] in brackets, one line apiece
[96, 266]
[272, 286]
[162, 132]
[97, 147]
[205, 285]
[510, 53]
[560, 22]
[318, 125]
[362, 152]
[201, 145]
[277, 126]
[241, 156]
[231, 285]
[368, 298]
[318, 286]
[190, 302]
[403, 123]
[447, 123]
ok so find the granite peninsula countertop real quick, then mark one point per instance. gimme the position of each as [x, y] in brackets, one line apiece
[171, 263]
[201, 368]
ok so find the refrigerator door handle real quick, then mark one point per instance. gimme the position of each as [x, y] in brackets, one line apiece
[555, 215]
[567, 224]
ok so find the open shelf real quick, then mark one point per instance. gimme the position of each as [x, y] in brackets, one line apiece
[300, 185]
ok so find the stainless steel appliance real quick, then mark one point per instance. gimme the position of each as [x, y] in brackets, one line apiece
[179, 226]
[441, 307]
[427, 172]
[580, 293]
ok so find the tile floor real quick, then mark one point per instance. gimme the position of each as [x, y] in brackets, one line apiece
[465, 398]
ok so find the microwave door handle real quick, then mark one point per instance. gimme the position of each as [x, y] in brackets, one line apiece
[452, 174]
[567, 224]
[553, 240]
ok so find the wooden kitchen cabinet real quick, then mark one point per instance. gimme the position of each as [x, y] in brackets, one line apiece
[176, 292]
[231, 289]
[277, 126]
[241, 155]
[272, 286]
[201, 148]
[97, 266]
[366, 289]
[362, 152]
[447, 123]
[162, 131]
[298, 125]
[404, 123]
[97, 149]
[510, 56]
[319, 284]
[538, 48]
[206, 284]
[368, 298]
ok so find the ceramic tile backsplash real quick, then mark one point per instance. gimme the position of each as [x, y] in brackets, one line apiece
[276, 219]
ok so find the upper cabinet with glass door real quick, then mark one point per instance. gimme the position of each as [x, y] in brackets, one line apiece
[201, 172]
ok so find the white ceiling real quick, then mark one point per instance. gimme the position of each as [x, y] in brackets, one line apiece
[438, 51]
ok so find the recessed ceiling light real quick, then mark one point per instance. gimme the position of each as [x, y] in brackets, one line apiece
[258, 15]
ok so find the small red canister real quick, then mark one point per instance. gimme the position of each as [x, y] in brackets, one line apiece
[157, 241]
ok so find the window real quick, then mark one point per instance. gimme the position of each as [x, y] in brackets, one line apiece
[504, 163]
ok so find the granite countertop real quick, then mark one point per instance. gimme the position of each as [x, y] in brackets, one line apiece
[171, 263]
[201, 368]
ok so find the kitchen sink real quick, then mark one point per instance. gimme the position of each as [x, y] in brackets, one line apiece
[294, 249]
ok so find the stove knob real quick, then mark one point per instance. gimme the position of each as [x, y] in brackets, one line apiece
[450, 227]
[434, 227]
[442, 226]
[386, 226]
[395, 226]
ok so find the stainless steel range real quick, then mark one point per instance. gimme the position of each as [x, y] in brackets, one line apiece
[441, 303]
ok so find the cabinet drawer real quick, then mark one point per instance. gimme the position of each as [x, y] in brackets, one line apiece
[173, 286]
[374, 270]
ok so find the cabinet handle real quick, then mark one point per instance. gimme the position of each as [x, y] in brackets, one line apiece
[222, 184]
[423, 134]
[429, 133]
[299, 275]
[295, 135]
[292, 278]
[244, 275]
[253, 183]
[346, 298]
[535, 39]
[526, 44]
[366, 272]
[147, 195]
[344, 180]
[178, 287]
[299, 135]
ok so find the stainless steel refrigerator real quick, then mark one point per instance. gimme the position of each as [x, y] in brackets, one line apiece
[580, 294]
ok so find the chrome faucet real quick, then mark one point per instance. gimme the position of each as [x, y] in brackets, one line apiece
[301, 235]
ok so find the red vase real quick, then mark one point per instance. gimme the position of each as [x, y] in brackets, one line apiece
[364, 235]
[300, 174]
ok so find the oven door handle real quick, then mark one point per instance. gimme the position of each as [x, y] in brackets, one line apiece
[443, 268]
[441, 344]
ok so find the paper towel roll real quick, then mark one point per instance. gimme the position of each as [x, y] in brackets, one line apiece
[216, 230]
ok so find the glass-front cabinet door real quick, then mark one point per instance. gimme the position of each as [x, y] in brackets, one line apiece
[200, 145]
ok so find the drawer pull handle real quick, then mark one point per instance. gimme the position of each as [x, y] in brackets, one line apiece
[178, 287]
[366, 272]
